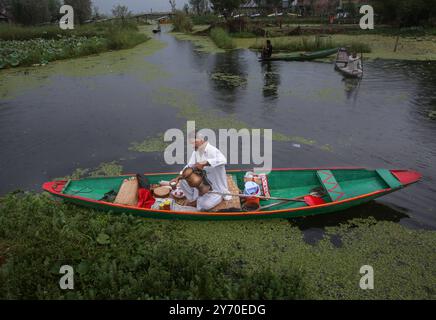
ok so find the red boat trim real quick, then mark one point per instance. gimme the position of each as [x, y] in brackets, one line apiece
[47, 187]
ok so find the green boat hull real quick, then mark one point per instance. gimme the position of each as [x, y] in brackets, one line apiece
[301, 56]
[345, 188]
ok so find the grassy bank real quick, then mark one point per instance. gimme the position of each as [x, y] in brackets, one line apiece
[123, 257]
[381, 46]
[310, 44]
[26, 46]
[222, 39]
[419, 45]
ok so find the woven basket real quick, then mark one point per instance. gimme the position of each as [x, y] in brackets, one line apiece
[128, 194]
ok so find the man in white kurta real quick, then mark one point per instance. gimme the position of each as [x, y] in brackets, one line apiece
[354, 62]
[207, 157]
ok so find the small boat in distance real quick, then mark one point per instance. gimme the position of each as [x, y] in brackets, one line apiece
[157, 30]
[300, 56]
[341, 65]
[342, 188]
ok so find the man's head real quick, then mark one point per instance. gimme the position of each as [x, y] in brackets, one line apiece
[354, 54]
[268, 42]
[196, 139]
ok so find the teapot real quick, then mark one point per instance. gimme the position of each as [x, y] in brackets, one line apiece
[197, 179]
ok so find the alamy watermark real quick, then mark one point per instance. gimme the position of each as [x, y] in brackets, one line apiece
[67, 21]
[367, 280]
[66, 282]
[366, 21]
[243, 146]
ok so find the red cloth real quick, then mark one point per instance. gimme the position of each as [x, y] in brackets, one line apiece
[145, 199]
[313, 201]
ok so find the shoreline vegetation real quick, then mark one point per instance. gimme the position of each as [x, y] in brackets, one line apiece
[33, 46]
[125, 257]
[384, 42]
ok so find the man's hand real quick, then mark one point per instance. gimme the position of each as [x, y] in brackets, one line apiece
[176, 180]
[201, 165]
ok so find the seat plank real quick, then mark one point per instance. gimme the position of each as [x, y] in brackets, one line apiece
[328, 181]
[387, 177]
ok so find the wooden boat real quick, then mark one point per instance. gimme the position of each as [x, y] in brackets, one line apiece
[300, 56]
[342, 62]
[344, 188]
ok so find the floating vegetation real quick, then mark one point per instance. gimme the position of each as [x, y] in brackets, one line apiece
[280, 137]
[42, 51]
[227, 79]
[327, 148]
[188, 109]
[15, 81]
[107, 169]
[201, 43]
[110, 252]
[103, 169]
[151, 144]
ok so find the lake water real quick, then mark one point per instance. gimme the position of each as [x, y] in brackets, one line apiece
[80, 113]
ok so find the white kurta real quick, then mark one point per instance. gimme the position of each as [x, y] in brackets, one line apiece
[354, 64]
[216, 173]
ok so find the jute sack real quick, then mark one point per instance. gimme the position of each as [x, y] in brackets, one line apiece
[128, 194]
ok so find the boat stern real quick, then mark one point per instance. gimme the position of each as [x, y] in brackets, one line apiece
[406, 177]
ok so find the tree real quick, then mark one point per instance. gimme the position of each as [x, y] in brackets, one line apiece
[405, 12]
[121, 12]
[173, 5]
[199, 6]
[29, 12]
[96, 13]
[82, 9]
[275, 4]
[5, 8]
[54, 7]
[186, 8]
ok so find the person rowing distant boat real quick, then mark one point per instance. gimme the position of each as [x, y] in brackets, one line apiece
[267, 50]
[210, 159]
[354, 63]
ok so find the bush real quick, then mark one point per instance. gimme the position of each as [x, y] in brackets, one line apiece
[204, 19]
[222, 38]
[243, 34]
[181, 22]
[124, 35]
[40, 45]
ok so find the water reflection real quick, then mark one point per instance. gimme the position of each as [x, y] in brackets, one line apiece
[352, 87]
[377, 210]
[313, 227]
[271, 76]
[228, 76]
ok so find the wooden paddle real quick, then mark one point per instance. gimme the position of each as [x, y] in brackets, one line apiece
[298, 199]
[312, 194]
[259, 197]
